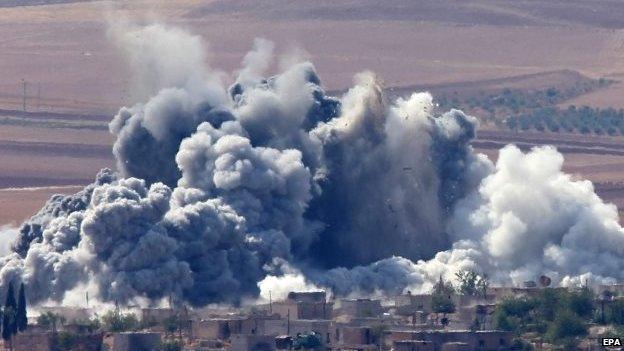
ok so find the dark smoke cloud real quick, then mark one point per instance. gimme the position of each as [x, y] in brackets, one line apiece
[57, 206]
[271, 184]
[385, 163]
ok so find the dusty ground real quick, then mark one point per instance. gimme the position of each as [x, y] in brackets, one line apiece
[612, 96]
[62, 51]
[18, 204]
[64, 48]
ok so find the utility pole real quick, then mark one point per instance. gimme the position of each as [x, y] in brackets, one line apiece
[23, 95]
[39, 96]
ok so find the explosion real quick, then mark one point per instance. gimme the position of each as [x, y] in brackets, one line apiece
[223, 192]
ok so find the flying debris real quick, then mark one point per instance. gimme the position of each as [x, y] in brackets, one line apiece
[222, 193]
[545, 281]
[390, 208]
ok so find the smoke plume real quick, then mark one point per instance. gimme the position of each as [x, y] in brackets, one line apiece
[223, 193]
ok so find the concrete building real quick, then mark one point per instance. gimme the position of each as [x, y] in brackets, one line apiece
[412, 345]
[301, 309]
[455, 346]
[302, 305]
[214, 329]
[132, 341]
[222, 328]
[409, 304]
[210, 312]
[310, 296]
[476, 317]
[246, 342]
[206, 345]
[614, 289]
[156, 315]
[284, 327]
[32, 341]
[501, 292]
[476, 340]
[82, 337]
[348, 335]
[358, 308]
[69, 314]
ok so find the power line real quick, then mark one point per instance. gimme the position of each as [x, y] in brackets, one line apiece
[24, 95]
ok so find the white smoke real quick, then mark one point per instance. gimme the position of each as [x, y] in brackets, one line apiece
[164, 57]
[531, 218]
[224, 194]
[8, 234]
[277, 287]
[256, 63]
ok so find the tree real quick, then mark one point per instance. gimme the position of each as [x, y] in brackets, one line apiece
[114, 321]
[581, 302]
[512, 123]
[308, 341]
[442, 304]
[605, 297]
[170, 324]
[21, 317]
[49, 320]
[441, 301]
[566, 326]
[172, 345]
[615, 313]
[66, 341]
[9, 325]
[471, 283]
[88, 325]
[515, 314]
[547, 303]
[560, 316]
[443, 288]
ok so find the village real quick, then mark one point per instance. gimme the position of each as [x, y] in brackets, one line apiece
[470, 317]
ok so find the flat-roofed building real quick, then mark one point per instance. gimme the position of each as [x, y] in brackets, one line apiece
[358, 308]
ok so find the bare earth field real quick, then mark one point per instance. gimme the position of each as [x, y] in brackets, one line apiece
[612, 96]
[64, 48]
[17, 204]
[62, 52]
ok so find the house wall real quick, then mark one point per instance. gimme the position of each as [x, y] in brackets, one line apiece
[358, 308]
[313, 296]
[245, 342]
[32, 341]
[412, 345]
[71, 314]
[139, 341]
[302, 309]
[479, 340]
[281, 327]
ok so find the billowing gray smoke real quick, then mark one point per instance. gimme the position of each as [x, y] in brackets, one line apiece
[224, 192]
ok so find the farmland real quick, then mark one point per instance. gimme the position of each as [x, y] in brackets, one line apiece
[491, 58]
